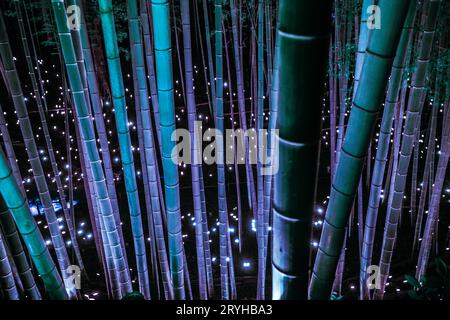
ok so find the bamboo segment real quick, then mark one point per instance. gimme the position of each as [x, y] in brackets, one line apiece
[301, 41]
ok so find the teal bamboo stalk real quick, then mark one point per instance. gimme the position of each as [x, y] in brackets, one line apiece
[161, 29]
[415, 104]
[368, 99]
[148, 139]
[7, 282]
[126, 152]
[13, 81]
[41, 102]
[363, 39]
[84, 120]
[18, 206]
[299, 119]
[392, 100]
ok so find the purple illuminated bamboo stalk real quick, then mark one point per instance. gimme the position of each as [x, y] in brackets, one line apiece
[415, 104]
[260, 179]
[212, 79]
[241, 104]
[12, 80]
[433, 212]
[41, 103]
[194, 145]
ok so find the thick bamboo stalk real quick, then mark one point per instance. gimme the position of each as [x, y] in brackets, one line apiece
[164, 76]
[299, 119]
[392, 100]
[376, 68]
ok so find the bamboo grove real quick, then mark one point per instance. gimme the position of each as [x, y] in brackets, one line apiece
[224, 149]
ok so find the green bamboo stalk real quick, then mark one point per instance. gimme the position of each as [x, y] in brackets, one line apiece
[301, 41]
[164, 76]
[364, 32]
[392, 99]
[368, 99]
[18, 206]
